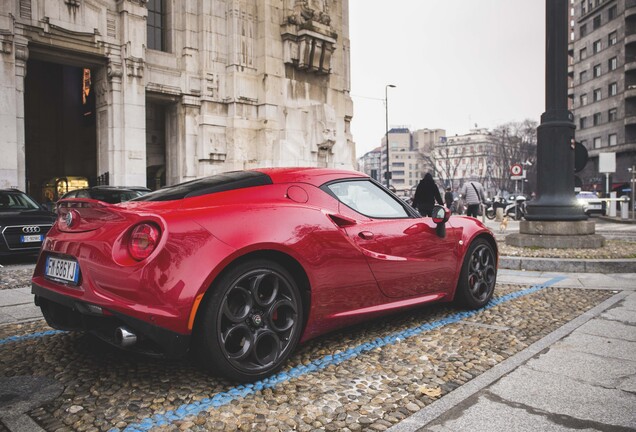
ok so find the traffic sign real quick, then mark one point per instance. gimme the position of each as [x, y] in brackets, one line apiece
[516, 170]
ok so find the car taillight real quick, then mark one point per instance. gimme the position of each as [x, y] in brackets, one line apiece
[143, 241]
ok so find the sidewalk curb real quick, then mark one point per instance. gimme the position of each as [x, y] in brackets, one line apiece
[429, 413]
[568, 265]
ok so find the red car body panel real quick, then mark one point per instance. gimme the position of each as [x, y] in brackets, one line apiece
[401, 263]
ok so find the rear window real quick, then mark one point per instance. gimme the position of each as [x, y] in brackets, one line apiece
[209, 185]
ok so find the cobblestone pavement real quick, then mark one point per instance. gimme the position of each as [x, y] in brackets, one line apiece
[367, 377]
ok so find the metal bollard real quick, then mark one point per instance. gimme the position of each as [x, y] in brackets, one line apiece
[611, 205]
[625, 208]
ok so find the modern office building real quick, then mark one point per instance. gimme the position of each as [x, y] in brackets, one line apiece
[161, 91]
[603, 92]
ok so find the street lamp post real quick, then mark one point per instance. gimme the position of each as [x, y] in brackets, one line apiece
[387, 174]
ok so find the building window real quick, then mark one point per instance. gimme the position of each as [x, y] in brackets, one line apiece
[597, 71]
[612, 13]
[583, 7]
[596, 23]
[156, 25]
[582, 53]
[583, 30]
[583, 99]
[596, 46]
[597, 95]
[582, 76]
[612, 139]
[612, 115]
[612, 63]
[612, 89]
[597, 142]
[611, 39]
[597, 119]
[582, 122]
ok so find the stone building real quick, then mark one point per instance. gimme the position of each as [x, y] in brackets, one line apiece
[467, 157]
[162, 91]
[603, 92]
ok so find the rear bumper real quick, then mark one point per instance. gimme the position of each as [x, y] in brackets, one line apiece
[73, 314]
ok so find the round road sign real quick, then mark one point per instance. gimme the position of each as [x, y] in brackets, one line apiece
[516, 169]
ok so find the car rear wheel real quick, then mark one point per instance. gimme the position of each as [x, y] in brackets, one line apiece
[478, 275]
[252, 321]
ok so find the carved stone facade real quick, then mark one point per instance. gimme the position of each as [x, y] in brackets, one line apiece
[237, 84]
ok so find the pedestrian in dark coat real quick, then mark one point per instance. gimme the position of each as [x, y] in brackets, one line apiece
[448, 197]
[425, 196]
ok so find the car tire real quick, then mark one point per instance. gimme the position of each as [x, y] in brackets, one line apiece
[478, 275]
[251, 322]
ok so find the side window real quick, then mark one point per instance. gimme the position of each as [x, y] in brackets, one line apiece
[368, 199]
[83, 194]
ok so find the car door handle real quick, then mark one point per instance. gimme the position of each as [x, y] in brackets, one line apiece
[366, 235]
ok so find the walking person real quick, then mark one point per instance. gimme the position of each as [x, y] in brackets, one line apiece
[425, 196]
[448, 197]
[473, 193]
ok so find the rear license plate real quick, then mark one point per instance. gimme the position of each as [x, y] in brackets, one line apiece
[31, 238]
[62, 269]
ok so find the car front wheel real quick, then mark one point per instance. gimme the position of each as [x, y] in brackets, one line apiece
[478, 275]
[251, 322]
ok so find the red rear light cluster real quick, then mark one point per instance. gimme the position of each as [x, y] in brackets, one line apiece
[143, 241]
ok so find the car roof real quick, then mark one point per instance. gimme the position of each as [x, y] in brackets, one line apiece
[313, 176]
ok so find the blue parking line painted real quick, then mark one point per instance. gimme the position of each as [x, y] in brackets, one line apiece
[29, 336]
[241, 391]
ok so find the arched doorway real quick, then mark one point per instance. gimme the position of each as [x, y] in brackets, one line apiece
[60, 131]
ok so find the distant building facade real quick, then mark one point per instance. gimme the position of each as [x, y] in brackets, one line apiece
[370, 164]
[603, 92]
[408, 157]
[161, 91]
[463, 158]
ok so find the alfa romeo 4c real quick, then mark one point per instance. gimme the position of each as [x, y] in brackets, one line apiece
[238, 268]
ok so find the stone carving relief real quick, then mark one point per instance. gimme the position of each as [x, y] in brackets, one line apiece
[6, 44]
[114, 71]
[135, 67]
[321, 128]
[308, 38]
[73, 5]
[242, 26]
[212, 85]
[310, 10]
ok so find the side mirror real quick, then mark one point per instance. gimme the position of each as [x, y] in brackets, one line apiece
[440, 214]
[440, 217]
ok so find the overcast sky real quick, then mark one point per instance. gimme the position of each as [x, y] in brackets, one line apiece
[455, 63]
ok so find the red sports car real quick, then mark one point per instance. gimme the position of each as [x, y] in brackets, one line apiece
[239, 267]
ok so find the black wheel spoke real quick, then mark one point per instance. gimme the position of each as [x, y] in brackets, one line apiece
[282, 316]
[237, 304]
[265, 288]
[238, 342]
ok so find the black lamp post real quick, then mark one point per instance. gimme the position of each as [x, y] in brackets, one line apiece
[555, 135]
[387, 174]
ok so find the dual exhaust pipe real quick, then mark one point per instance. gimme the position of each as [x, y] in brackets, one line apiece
[124, 337]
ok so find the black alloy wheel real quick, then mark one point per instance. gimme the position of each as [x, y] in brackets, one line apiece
[478, 275]
[252, 322]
